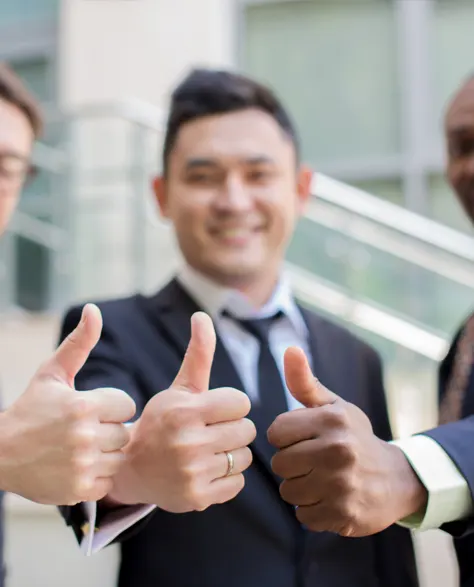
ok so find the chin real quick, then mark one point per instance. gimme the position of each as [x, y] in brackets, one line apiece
[235, 275]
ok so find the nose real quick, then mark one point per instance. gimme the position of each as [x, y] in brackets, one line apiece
[235, 196]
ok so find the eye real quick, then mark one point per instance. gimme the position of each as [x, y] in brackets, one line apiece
[202, 178]
[462, 146]
[259, 175]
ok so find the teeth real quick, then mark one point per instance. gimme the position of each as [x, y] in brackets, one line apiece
[234, 232]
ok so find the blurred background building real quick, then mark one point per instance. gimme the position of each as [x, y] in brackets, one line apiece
[366, 81]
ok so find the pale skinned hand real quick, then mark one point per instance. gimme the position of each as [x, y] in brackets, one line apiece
[340, 475]
[59, 446]
[176, 458]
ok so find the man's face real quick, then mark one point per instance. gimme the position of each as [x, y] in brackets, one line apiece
[16, 140]
[460, 143]
[233, 193]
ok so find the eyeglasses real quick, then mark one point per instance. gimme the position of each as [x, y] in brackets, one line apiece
[15, 169]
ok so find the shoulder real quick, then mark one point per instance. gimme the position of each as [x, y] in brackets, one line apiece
[110, 309]
[118, 316]
[446, 363]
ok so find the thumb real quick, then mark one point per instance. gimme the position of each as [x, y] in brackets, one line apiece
[303, 385]
[195, 369]
[74, 351]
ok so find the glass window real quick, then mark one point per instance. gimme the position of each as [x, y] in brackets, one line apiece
[36, 73]
[453, 51]
[336, 70]
[444, 206]
[388, 189]
[16, 11]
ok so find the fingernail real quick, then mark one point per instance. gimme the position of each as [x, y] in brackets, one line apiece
[83, 316]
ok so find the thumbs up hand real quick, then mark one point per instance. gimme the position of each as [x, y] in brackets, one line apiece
[177, 456]
[58, 446]
[340, 475]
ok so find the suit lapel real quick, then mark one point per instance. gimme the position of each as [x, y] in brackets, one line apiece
[332, 363]
[173, 307]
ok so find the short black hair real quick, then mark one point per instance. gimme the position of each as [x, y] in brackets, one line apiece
[15, 92]
[205, 92]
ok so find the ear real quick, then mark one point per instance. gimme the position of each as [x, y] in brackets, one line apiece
[159, 189]
[305, 179]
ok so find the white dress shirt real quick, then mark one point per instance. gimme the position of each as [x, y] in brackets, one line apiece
[426, 456]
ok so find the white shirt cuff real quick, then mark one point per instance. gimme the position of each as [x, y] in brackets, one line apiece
[449, 497]
[95, 539]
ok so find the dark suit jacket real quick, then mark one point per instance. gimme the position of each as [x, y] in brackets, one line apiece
[457, 439]
[2, 561]
[254, 540]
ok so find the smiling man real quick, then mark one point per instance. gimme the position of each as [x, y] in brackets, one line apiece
[233, 187]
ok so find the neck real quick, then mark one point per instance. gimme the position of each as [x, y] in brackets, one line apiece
[258, 289]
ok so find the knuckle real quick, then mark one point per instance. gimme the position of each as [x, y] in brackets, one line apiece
[248, 432]
[79, 406]
[188, 446]
[239, 483]
[81, 465]
[190, 473]
[347, 511]
[345, 488]
[336, 416]
[83, 438]
[196, 499]
[99, 490]
[247, 457]
[239, 399]
[81, 488]
[344, 451]
[279, 464]
[244, 459]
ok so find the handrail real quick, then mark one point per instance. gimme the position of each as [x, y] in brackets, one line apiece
[395, 217]
[365, 231]
[324, 295]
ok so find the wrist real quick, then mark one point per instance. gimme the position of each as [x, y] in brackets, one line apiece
[406, 491]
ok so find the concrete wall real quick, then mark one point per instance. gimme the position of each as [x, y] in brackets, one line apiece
[118, 49]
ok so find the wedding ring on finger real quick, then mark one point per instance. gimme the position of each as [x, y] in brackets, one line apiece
[230, 463]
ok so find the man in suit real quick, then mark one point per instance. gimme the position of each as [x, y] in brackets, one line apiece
[450, 483]
[56, 447]
[456, 374]
[233, 187]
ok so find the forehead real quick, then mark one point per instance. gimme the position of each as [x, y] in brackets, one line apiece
[461, 110]
[16, 134]
[233, 135]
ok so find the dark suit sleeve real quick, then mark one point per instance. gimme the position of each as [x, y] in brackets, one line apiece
[457, 438]
[107, 366]
[378, 400]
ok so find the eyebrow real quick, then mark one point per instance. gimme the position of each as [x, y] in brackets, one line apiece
[460, 129]
[199, 162]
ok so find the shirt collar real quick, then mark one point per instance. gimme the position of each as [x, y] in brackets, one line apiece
[214, 298]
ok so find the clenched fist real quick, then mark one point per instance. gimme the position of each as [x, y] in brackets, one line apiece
[340, 475]
[177, 458]
[59, 446]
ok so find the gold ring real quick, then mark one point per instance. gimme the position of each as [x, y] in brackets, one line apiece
[230, 463]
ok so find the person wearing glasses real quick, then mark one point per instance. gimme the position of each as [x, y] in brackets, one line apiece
[56, 446]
